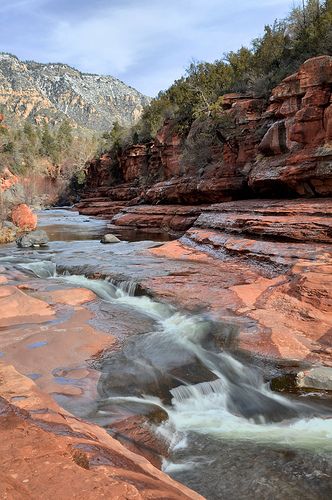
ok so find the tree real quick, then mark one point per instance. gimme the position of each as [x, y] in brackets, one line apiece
[48, 145]
[64, 137]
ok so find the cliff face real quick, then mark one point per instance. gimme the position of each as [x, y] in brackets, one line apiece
[51, 92]
[282, 148]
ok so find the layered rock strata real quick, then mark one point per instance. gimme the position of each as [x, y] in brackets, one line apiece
[44, 448]
[281, 148]
[262, 267]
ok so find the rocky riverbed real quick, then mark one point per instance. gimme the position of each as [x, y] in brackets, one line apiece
[171, 348]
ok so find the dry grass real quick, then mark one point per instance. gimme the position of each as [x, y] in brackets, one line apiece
[7, 235]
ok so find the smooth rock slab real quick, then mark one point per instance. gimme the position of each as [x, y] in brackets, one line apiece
[45, 452]
[316, 378]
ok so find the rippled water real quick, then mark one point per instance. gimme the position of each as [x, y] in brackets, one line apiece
[229, 435]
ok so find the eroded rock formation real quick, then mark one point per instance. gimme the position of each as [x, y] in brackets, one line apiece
[263, 266]
[277, 149]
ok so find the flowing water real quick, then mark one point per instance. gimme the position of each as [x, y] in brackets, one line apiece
[229, 434]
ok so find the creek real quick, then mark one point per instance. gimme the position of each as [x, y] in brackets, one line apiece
[229, 435]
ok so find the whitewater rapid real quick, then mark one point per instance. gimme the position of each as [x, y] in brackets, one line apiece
[235, 404]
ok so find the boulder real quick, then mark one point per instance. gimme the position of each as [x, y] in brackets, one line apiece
[37, 238]
[109, 238]
[24, 218]
[316, 378]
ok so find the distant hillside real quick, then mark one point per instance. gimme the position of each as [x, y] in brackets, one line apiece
[51, 92]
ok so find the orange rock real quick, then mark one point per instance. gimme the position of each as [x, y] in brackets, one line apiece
[16, 307]
[45, 452]
[315, 72]
[24, 218]
[71, 296]
[263, 266]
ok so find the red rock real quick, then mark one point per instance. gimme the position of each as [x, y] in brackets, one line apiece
[254, 265]
[314, 72]
[106, 209]
[136, 434]
[169, 218]
[71, 296]
[16, 307]
[289, 107]
[278, 150]
[316, 97]
[134, 162]
[288, 88]
[303, 222]
[47, 453]
[328, 123]
[23, 218]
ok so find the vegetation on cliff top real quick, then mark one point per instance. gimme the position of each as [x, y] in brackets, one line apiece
[284, 46]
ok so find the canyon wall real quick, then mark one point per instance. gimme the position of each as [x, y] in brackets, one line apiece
[282, 148]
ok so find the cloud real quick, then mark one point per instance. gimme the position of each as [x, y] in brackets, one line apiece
[123, 35]
[146, 43]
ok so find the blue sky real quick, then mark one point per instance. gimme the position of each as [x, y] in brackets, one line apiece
[145, 43]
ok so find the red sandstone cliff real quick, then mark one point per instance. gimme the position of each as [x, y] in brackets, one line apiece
[282, 147]
[276, 149]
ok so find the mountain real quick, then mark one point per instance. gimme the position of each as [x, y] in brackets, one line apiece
[51, 92]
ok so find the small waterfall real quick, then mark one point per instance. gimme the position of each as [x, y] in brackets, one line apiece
[102, 288]
[41, 269]
[183, 392]
[127, 287]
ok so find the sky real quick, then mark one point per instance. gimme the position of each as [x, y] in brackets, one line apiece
[145, 43]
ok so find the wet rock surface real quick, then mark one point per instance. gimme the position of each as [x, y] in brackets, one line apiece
[109, 238]
[45, 443]
[284, 474]
[316, 378]
[264, 265]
